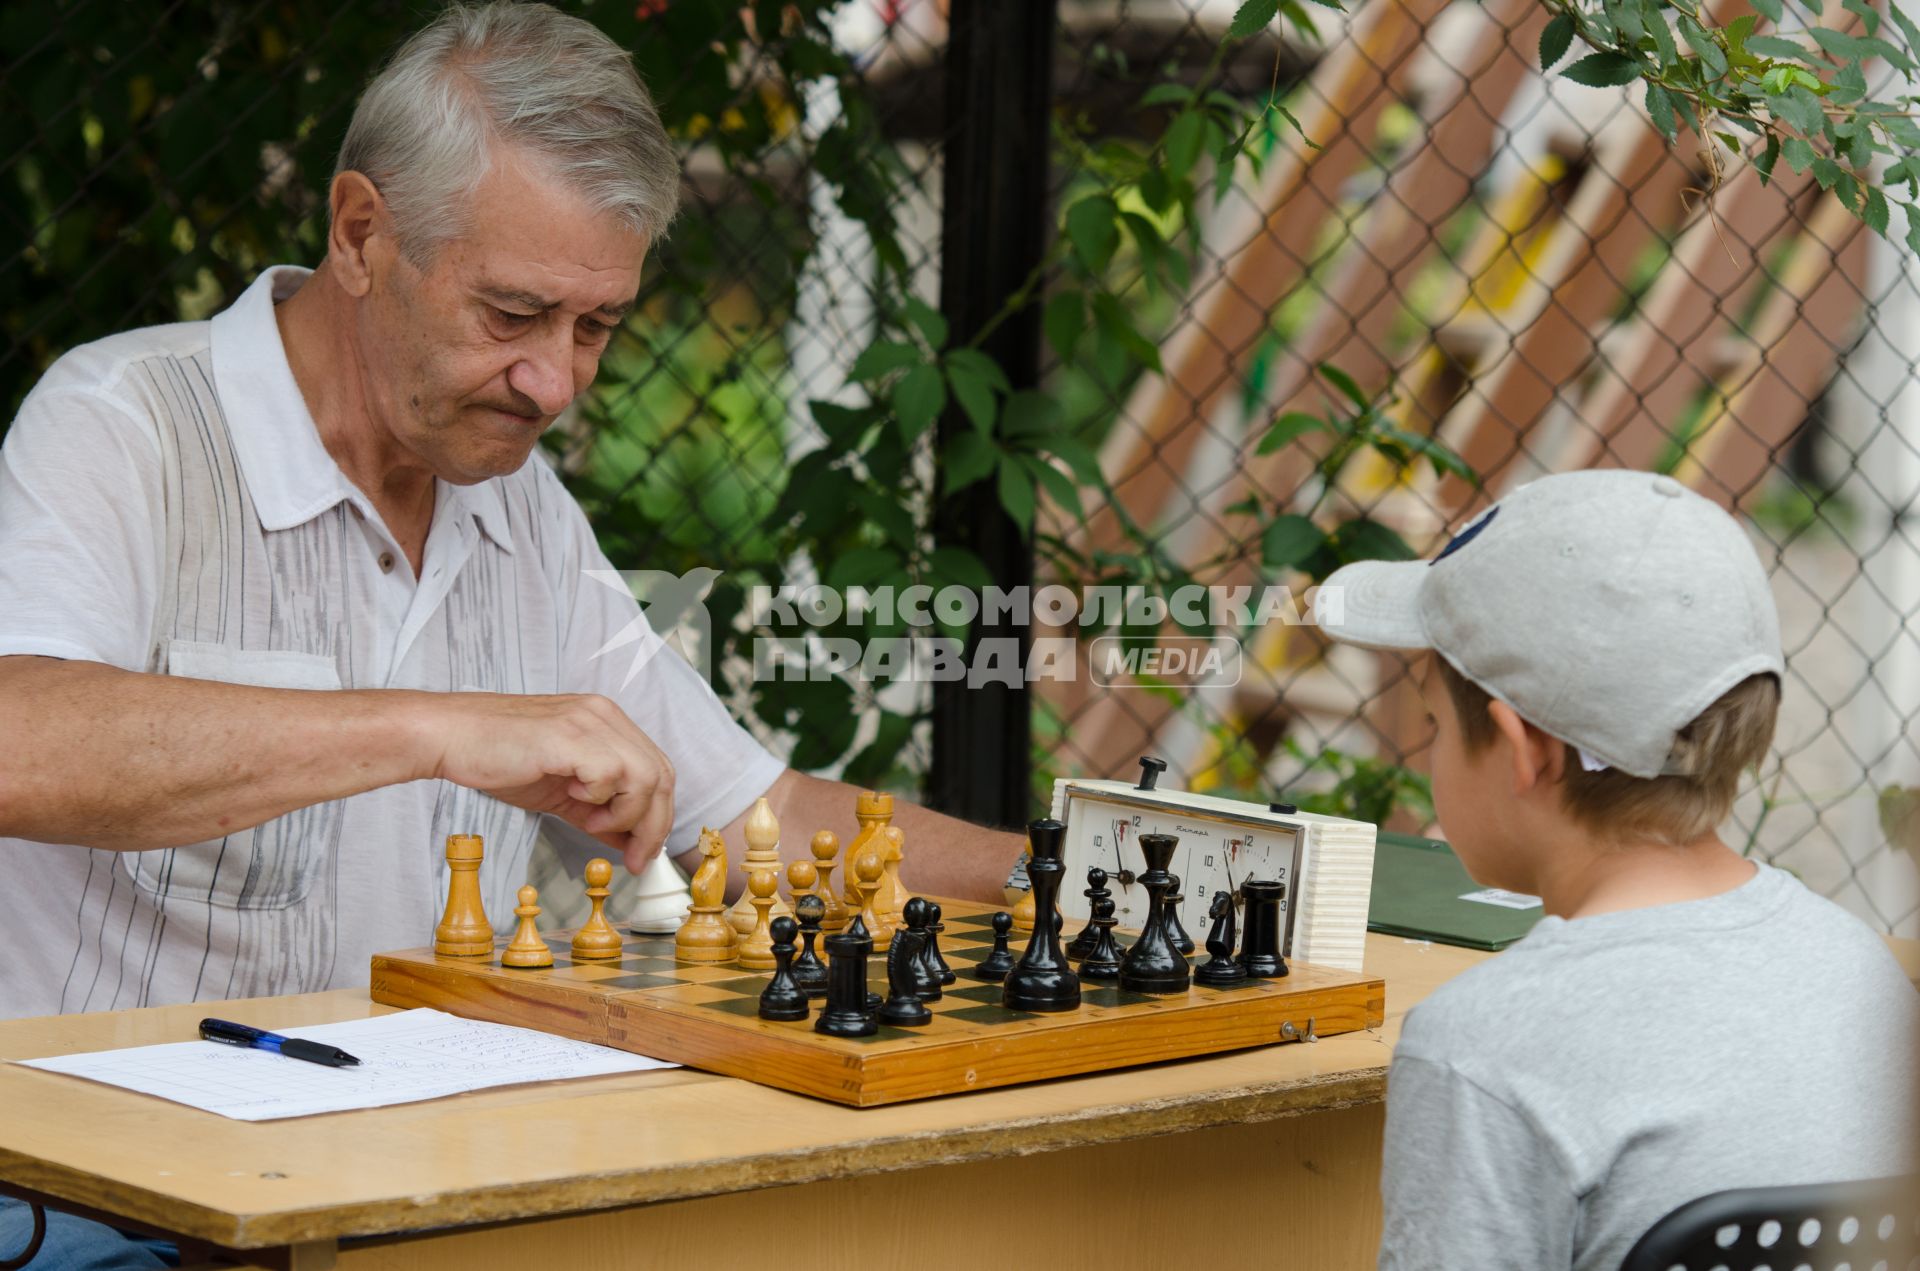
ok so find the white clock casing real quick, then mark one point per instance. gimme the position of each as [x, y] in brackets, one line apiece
[1325, 861]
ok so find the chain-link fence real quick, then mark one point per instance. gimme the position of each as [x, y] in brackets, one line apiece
[1518, 267]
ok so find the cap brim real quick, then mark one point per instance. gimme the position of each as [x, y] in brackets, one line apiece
[1374, 604]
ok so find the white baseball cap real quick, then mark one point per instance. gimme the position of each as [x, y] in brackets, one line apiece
[1608, 608]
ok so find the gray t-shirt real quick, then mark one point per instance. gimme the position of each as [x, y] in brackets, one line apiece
[1547, 1107]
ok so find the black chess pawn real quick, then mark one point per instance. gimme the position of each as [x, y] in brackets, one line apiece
[905, 977]
[1222, 968]
[917, 914]
[783, 998]
[847, 1013]
[1154, 964]
[1260, 951]
[1103, 959]
[1042, 980]
[1175, 931]
[1096, 891]
[809, 972]
[932, 959]
[994, 967]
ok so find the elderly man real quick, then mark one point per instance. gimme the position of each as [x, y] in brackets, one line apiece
[285, 600]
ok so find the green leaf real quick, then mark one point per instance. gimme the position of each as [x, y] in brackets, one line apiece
[1252, 18]
[1091, 229]
[1800, 109]
[1114, 323]
[1908, 31]
[1344, 382]
[1826, 172]
[1764, 164]
[1066, 319]
[932, 325]
[1059, 487]
[1365, 539]
[880, 758]
[1654, 18]
[1555, 40]
[1079, 457]
[1660, 110]
[1738, 31]
[1704, 46]
[1288, 541]
[1016, 491]
[1771, 10]
[1183, 143]
[979, 365]
[843, 424]
[1603, 70]
[1166, 94]
[1868, 15]
[882, 358]
[1875, 213]
[1798, 154]
[1288, 428]
[1030, 413]
[968, 457]
[918, 400]
[974, 394]
[862, 567]
[1774, 46]
[1847, 48]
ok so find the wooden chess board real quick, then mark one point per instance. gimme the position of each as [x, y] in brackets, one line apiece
[706, 1016]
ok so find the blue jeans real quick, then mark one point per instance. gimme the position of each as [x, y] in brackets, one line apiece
[79, 1244]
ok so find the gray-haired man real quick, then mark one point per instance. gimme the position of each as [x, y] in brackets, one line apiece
[328, 487]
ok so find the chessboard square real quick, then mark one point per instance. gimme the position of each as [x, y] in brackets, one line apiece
[648, 962]
[702, 972]
[1251, 982]
[995, 1014]
[1108, 996]
[642, 981]
[982, 921]
[989, 993]
[745, 1006]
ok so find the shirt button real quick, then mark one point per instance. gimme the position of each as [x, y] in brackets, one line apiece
[386, 562]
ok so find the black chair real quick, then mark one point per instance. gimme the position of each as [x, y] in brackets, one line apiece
[1823, 1226]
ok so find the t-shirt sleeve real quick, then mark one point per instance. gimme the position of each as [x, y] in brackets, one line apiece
[80, 531]
[609, 648]
[1467, 1181]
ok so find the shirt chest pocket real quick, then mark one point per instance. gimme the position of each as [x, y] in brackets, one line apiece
[270, 866]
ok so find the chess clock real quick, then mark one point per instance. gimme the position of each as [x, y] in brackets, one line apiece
[1325, 862]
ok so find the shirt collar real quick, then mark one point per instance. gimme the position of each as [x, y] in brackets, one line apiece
[288, 471]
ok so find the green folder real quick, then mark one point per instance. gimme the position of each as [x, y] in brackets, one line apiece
[1417, 888]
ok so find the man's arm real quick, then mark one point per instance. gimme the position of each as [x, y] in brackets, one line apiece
[944, 856]
[127, 761]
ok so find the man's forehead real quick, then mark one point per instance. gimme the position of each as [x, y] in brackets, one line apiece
[542, 297]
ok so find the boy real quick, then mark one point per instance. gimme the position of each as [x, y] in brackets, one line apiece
[1683, 1020]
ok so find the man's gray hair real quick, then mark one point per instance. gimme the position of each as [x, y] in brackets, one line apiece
[525, 75]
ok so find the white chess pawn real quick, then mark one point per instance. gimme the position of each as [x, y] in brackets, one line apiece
[661, 898]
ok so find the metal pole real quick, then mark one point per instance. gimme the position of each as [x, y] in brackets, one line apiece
[994, 232]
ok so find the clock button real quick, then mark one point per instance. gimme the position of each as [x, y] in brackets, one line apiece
[1150, 770]
[1284, 809]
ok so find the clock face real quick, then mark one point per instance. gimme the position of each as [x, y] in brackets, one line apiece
[1217, 851]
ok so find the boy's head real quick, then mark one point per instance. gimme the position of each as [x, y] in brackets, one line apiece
[1606, 649]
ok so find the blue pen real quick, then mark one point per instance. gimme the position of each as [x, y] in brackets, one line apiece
[230, 1034]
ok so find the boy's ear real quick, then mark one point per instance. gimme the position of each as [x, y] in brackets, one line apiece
[1537, 758]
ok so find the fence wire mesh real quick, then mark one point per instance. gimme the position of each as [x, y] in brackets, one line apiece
[1519, 267]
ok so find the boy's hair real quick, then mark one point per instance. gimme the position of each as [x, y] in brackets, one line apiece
[1703, 769]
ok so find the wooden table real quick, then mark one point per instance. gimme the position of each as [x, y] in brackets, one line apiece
[1147, 1166]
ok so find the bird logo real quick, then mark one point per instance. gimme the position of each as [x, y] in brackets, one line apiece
[670, 611]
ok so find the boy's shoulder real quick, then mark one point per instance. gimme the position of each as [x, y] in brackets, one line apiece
[1582, 983]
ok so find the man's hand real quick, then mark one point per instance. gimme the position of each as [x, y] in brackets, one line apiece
[576, 757]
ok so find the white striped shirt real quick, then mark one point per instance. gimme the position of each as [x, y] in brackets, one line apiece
[166, 506]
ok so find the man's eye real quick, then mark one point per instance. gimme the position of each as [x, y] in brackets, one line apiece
[515, 321]
[595, 330]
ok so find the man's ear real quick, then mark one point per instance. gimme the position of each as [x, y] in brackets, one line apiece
[1537, 758]
[360, 238]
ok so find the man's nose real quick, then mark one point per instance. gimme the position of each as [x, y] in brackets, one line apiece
[545, 373]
